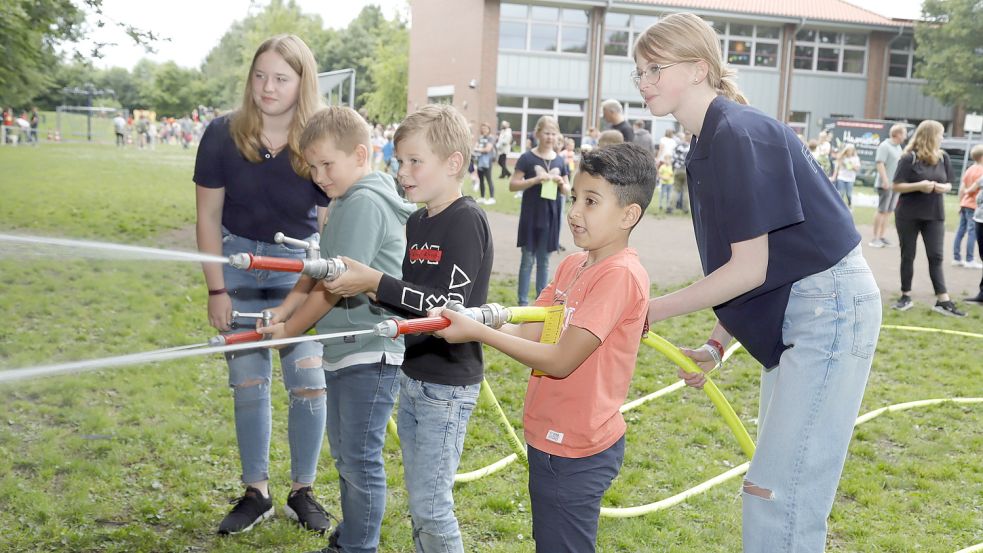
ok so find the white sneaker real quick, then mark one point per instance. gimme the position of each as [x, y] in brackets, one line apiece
[973, 265]
[957, 263]
[490, 201]
[479, 200]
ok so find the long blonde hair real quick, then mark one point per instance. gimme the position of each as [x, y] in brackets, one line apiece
[925, 142]
[682, 37]
[246, 123]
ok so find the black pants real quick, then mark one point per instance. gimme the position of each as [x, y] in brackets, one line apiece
[505, 167]
[933, 236]
[485, 174]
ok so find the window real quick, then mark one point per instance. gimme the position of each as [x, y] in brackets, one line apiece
[748, 45]
[830, 51]
[799, 122]
[543, 29]
[902, 58]
[621, 30]
[523, 112]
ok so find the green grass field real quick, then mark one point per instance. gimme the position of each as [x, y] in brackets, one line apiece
[144, 458]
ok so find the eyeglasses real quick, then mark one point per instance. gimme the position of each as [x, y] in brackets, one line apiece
[652, 73]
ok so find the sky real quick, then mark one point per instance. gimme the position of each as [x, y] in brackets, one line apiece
[198, 25]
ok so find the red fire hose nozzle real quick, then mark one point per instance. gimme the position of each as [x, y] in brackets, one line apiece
[242, 337]
[490, 314]
[320, 269]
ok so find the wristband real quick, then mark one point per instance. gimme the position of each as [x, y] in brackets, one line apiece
[717, 361]
[218, 292]
[716, 345]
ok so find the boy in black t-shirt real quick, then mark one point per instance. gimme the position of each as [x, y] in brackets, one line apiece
[448, 257]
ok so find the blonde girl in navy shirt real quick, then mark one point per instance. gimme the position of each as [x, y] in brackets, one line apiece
[784, 276]
[253, 182]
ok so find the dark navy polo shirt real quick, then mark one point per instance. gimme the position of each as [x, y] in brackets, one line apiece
[751, 175]
[539, 218]
[262, 198]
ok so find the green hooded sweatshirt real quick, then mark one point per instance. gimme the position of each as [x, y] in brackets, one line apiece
[367, 225]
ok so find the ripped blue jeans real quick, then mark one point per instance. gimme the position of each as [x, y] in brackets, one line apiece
[809, 402]
[251, 371]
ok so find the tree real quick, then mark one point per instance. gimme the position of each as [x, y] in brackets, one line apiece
[355, 46]
[950, 51]
[174, 90]
[25, 68]
[386, 102]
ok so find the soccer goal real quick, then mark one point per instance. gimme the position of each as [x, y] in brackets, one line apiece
[86, 124]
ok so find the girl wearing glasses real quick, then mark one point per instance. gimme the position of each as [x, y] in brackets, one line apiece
[784, 275]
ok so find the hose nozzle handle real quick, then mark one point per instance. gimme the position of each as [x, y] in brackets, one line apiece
[311, 246]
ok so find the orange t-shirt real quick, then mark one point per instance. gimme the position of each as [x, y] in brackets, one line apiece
[971, 175]
[579, 415]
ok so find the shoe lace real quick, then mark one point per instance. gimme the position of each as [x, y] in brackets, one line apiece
[312, 503]
[241, 500]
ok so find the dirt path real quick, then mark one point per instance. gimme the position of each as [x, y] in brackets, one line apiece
[668, 250]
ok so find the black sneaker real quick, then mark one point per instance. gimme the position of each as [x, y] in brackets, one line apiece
[947, 308]
[303, 507]
[978, 299]
[250, 509]
[903, 304]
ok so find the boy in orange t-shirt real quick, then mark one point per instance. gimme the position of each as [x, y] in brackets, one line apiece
[967, 206]
[574, 431]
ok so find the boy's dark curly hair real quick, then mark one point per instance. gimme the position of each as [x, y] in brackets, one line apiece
[629, 168]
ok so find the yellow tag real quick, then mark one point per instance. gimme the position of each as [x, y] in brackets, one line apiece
[548, 190]
[552, 325]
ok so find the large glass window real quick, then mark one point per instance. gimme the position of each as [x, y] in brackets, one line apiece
[523, 112]
[621, 30]
[830, 51]
[748, 45]
[902, 58]
[543, 29]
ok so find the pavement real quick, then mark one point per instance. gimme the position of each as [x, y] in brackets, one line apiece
[667, 249]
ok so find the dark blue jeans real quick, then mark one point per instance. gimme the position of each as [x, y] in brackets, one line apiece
[566, 497]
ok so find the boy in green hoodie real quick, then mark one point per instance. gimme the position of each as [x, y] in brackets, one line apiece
[365, 223]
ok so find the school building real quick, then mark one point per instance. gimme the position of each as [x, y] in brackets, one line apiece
[799, 60]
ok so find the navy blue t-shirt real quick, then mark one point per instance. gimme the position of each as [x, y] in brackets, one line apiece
[751, 175]
[262, 198]
[539, 218]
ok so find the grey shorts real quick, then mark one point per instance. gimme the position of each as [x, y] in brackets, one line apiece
[887, 200]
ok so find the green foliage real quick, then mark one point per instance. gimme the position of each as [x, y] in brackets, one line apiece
[950, 52]
[143, 458]
[389, 70]
[30, 31]
[174, 91]
[354, 47]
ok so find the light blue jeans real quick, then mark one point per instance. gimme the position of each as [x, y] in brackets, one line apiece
[432, 422]
[665, 196]
[541, 257]
[251, 371]
[845, 187]
[809, 403]
[360, 399]
[966, 227]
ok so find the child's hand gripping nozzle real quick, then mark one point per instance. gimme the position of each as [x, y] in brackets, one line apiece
[243, 337]
[490, 314]
[313, 266]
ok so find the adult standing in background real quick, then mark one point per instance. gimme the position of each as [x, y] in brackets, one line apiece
[642, 137]
[252, 182]
[611, 111]
[886, 163]
[503, 146]
[922, 178]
